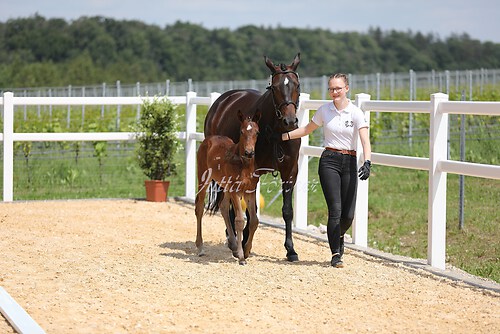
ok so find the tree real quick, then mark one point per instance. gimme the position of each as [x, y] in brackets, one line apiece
[90, 50]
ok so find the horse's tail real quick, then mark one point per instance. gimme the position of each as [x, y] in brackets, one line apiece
[215, 196]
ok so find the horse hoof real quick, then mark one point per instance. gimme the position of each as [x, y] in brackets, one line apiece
[201, 253]
[292, 258]
[243, 263]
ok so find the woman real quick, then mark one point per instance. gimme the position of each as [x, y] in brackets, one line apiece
[342, 122]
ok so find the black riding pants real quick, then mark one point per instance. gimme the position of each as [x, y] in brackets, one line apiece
[338, 178]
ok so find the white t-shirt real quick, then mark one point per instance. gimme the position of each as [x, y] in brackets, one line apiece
[341, 127]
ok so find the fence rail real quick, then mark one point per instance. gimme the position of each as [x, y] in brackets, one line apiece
[437, 164]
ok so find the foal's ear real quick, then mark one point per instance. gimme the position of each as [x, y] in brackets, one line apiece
[240, 116]
[256, 117]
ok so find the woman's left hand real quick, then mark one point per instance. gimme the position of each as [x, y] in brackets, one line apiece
[364, 171]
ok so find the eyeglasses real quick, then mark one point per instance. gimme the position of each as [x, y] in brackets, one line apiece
[335, 89]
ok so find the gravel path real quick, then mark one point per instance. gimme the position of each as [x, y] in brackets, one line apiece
[125, 266]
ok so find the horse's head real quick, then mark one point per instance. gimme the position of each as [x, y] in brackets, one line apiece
[285, 90]
[249, 130]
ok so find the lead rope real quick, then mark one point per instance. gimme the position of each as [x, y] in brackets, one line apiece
[278, 152]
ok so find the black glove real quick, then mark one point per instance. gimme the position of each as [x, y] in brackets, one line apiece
[364, 171]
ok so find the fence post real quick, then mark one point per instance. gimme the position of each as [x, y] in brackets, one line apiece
[392, 79]
[68, 116]
[410, 115]
[38, 106]
[301, 185]
[83, 108]
[118, 107]
[103, 95]
[438, 138]
[50, 106]
[352, 84]
[447, 77]
[8, 146]
[25, 108]
[324, 87]
[138, 88]
[378, 86]
[360, 223]
[190, 146]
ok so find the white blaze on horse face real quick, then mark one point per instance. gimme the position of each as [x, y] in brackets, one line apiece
[249, 127]
[286, 81]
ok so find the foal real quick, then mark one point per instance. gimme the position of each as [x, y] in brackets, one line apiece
[232, 167]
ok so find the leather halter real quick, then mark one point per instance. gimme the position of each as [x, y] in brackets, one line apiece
[277, 108]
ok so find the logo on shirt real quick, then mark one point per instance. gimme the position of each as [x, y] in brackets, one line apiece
[349, 124]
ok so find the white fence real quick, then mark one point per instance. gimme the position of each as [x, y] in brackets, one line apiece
[437, 164]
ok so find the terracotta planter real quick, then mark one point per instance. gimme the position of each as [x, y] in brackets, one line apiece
[156, 191]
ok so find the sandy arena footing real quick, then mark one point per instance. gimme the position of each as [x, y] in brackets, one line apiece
[129, 266]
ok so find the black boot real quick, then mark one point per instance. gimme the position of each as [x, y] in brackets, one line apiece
[342, 246]
[337, 261]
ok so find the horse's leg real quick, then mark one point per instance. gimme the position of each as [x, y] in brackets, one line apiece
[199, 209]
[239, 223]
[231, 238]
[231, 217]
[245, 230]
[287, 211]
[252, 221]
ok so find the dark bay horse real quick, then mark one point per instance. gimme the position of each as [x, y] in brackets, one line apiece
[232, 167]
[278, 106]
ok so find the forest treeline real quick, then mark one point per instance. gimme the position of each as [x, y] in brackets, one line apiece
[36, 51]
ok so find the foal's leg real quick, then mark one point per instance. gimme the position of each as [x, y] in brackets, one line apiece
[239, 224]
[253, 221]
[202, 168]
[199, 209]
[203, 182]
[224, 210]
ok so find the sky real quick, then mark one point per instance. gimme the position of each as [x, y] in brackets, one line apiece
[480, 19]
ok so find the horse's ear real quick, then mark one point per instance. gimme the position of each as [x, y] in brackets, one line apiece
[296, 62]
[240, 116]
[256, 117]
[270, 64]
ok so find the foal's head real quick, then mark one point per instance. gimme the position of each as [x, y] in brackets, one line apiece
[249, 130]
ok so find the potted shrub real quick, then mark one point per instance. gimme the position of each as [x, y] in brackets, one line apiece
[157, 144]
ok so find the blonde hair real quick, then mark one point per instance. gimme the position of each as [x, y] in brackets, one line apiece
[340, 76]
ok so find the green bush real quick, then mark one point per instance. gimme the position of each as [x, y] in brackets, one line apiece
[157, 141]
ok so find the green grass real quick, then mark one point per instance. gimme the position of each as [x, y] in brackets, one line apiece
[57, 174]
